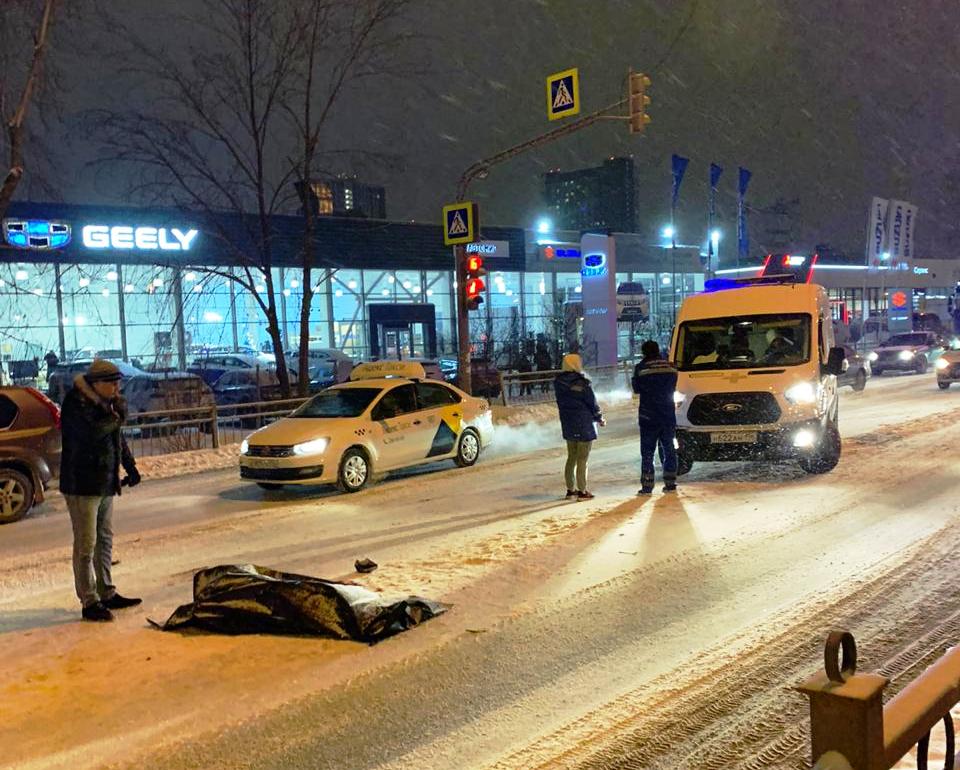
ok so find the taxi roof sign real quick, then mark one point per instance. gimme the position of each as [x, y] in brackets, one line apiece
[459, 223]
[563, 94]
[375, 370]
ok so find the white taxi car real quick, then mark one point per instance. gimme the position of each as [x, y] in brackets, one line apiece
[948, 369]
[388, 416]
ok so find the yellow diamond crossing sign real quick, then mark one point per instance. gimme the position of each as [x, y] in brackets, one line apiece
[563, 94]
[459, 223]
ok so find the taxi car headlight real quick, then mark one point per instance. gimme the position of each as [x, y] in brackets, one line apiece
[314, 447]
[244, 446]
[801, 393]
[872, 356]
[905, 355]
[941, 363]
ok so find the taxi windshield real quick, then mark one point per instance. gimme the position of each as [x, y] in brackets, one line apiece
[340, 402]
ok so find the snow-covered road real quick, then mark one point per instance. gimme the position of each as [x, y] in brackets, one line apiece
[572, 621]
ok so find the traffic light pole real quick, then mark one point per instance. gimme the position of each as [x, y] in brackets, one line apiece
[479, 170]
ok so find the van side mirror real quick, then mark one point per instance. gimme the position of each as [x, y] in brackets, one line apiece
[835, 361]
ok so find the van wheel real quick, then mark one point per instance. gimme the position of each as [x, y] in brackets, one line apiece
[921, 366]
[827, 455]
[468, 449]
[354, 470]
[16, 495]
[860, 381]
[684, 464]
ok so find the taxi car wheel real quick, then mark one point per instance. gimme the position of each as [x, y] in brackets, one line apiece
[468, 450]
[16, 495]
[943, 385]
[860, 381]
[684, 464]
[354, 470]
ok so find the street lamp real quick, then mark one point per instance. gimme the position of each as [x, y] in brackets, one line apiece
[668, 232]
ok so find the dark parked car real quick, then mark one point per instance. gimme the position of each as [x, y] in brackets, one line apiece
[29, 449]
[907, 352]
[484, 376]
[152, 392]
[856, 372]
[61, 378]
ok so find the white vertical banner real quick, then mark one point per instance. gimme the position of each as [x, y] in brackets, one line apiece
[876, 230]
[909, 225]
[598, 293]
[896, 215]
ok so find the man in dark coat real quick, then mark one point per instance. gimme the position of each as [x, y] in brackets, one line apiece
[655, 381]
[578, 413]
[93, 452]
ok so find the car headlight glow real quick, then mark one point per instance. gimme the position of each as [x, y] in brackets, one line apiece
[803, 439]
[905, 355]
[244, 446]
[314, 447]
[801, 393]
[678, 397]
[941, 363]
[872, 356]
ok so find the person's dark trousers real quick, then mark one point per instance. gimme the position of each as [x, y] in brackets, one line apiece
[650, 437]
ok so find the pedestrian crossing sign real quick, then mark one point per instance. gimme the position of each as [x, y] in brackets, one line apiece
[459, 223]
[563, 94]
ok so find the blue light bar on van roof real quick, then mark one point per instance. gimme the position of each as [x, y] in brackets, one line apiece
[720, 284]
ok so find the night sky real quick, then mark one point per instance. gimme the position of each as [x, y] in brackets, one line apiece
[827, 103]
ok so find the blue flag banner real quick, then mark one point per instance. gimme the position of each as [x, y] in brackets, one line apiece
[715, 172]
[743, 240]
[679, 168]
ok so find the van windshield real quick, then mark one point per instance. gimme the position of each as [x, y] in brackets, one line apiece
[744, 342]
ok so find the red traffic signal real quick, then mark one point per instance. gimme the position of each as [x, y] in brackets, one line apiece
[474, 264]
[474, 293]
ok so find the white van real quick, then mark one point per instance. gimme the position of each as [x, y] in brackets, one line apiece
[757, 374]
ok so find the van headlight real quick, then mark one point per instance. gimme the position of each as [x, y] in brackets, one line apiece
[941, 364]
[678, 398]
[905, 355]
[315, 447]
[244, 446]
[801, 393]
[872, 356]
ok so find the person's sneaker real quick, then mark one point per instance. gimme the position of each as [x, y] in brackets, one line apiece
[118, 602]
[571, 493]
[584, 495]
[97, 612]
[645, 491]
[669, 487]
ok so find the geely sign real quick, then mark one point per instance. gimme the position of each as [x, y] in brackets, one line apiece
[144, 238]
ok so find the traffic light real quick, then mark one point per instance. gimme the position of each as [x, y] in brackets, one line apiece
[474, 285]
[639, 101]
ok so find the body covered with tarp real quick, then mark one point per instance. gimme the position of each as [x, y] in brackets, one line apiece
[246, 599]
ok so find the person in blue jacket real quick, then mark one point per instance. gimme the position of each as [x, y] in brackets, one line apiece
[655, 381]
[578, 413]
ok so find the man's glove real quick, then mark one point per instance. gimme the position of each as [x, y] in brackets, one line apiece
[132, 478]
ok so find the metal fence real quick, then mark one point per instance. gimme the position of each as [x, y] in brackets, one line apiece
[851, 729]
[537, 387]
[203, 427]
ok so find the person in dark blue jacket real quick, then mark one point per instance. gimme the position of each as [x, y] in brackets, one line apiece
[655, 381]
[578, 413]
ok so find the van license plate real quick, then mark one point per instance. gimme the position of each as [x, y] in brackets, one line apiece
[733, 437]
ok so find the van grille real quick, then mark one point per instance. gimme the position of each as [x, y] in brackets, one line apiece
[733, 409]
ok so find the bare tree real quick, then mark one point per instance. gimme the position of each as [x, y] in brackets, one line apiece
[14, 109]
[236, 116]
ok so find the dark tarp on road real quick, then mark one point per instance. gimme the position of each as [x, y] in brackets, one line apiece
[246, 599]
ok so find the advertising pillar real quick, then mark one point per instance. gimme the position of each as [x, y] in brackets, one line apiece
[598, 279]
